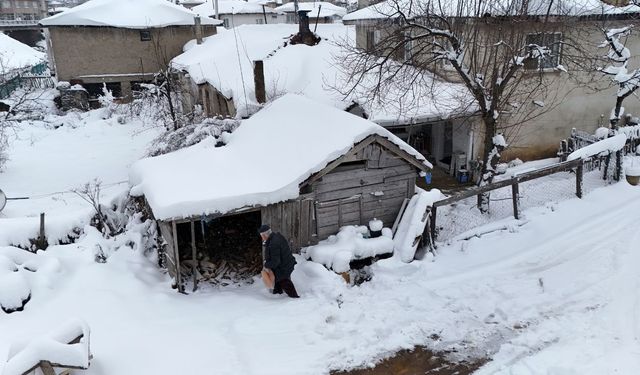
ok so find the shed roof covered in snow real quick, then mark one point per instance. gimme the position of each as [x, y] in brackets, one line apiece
[130, 14]
[389, 8]
[16, 55]
[232, 7]
[264, 161]
[316, 72]
[326, 9]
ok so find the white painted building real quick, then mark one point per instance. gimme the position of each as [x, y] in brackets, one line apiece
[236, 12]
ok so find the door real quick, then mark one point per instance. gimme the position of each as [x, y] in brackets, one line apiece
[331, 215]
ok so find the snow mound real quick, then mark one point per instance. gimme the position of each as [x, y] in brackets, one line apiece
[264, 161]
[337, 251]
[56, 347]
[413, 223]
[130, 14]
[21, 272]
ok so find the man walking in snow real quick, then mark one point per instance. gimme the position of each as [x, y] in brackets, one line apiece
[278, 260]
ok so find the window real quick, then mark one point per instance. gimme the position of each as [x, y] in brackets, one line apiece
[145, 35]
[259, 21]
[225, 23]
[553, 41]
[274, 16]
[408, 46]
[373, 38]
[291, 18]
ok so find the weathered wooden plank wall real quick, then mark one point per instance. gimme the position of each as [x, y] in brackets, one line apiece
[169, 251]
[373, 184]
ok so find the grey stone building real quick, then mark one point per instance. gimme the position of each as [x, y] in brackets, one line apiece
[119, 42]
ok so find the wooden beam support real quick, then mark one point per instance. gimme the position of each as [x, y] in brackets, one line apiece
[335, 163]
[176, 253]
[400, 152]
[193, 256]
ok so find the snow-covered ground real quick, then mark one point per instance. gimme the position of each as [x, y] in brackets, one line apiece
[558, 295]
[48, 159]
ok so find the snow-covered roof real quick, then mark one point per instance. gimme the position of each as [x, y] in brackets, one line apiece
[326, 9]
[131, 14]
[291, 69]
[312, 71]
[231, 7]
[389, 8]
[263, 162]
[16, 55]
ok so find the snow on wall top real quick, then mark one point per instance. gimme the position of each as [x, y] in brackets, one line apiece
[389, 8]
[313, 71]
[16, 55]
[264, 160]
[326, 9]
[130, 14]
[231, 7]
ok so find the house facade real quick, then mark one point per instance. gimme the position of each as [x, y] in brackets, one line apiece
[90, 45]
[234, 13]
[575, 98]
[319, 12]
[22, 10]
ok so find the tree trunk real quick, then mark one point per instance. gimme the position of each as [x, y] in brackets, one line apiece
[490, 160]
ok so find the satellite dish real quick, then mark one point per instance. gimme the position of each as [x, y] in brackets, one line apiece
[3, 200]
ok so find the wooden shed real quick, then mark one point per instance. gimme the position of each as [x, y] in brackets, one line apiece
[322, 169]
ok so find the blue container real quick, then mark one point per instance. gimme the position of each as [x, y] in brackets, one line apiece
[463, 176]
[427, 178]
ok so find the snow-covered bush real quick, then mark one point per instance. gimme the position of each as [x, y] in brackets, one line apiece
[107, 102]
[189, 135]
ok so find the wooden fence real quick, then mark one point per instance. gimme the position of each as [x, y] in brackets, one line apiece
[514, 182]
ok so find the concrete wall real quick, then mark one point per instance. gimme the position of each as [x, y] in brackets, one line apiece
[107, 54]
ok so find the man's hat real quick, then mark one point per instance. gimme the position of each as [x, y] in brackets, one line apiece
[264, 228]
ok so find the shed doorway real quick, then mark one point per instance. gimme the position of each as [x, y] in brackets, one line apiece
[228, 248]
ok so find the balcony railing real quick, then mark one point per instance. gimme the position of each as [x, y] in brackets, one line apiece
[19, 22]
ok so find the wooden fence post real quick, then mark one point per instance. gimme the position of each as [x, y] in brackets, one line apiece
[432, 222]
[41, 245]
[579, 177]
[516, 199]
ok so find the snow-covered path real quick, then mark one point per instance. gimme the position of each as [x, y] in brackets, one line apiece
[558, 295]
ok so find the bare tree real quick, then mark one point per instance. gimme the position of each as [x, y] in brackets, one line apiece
[498, 51]
[627, 81]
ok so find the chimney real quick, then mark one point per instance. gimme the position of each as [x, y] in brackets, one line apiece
[198, 25]
[258, 81]
[303, 22]
[304, 35]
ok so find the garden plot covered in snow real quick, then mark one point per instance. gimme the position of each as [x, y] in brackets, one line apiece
[49, 158]
[131, 14]
[318, 72]
[16, 56]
